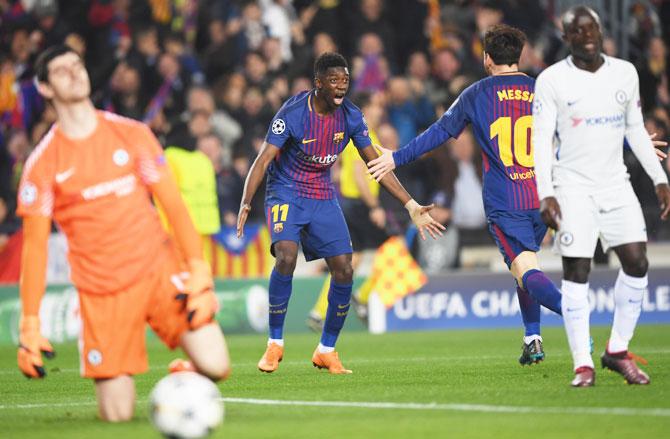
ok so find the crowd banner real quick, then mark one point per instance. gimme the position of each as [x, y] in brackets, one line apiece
[488, 300]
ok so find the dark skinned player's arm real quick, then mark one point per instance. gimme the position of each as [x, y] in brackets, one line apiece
[390, 182]
[257, 171]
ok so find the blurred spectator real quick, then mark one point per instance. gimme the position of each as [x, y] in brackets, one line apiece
[370, 68]
[271, 50]
[227, 129]
[372, 19]
[229, 185]
[653, 73]
[253, 29]
[219, 57]
[126, 92]
[408, 113]
[255, 71]
[194, 174]
[279, 17]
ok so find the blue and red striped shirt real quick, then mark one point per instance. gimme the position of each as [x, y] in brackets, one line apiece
[309, 145]
[499, 109]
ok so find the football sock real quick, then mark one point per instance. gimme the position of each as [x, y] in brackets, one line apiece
[542, 289]
[576, 311]
[325, 349]
[280, 292]
[277, 341]
[628, 292]
[530, 312]
[321, 305]
[527, 339]
[338, 307]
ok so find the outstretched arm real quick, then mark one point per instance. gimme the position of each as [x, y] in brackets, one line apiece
[257, 171]
[427, 141]
[418, 213]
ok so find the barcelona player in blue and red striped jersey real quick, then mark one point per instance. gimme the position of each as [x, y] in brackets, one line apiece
[499, 108]
[304, 140]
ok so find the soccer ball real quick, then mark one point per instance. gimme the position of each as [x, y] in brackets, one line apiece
[185, 405]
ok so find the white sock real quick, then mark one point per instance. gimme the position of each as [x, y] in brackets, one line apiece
[279, 341]
[325, 349]
[628, 292]
[528, 338]
[576, 312]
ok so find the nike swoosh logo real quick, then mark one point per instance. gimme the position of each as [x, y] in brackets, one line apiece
[634, 301]
[62, 176]
[570, 104]
[573, 309]
[305, 141]
[343, 306]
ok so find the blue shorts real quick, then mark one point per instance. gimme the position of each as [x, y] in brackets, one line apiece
[318, 225]
[516, 232]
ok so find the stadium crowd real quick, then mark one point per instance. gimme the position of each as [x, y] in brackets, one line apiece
[209, 75]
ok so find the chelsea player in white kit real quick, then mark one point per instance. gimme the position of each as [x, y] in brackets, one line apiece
[588, 103]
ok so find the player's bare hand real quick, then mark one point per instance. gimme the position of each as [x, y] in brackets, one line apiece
[658, 144]
[378, 216]
[382, 165]
[663, 194]
[242, 218]
[551, 212]
[423, 221]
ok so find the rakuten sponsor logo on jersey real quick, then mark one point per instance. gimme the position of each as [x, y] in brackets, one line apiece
[119, 186]
[317, 159]
[614, 120]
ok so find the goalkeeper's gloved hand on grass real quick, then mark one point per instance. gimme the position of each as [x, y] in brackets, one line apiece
[198, 295]
[31, 347]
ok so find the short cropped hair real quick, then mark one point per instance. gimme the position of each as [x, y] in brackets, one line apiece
[43, 60]
[504, 44]
[327, 60]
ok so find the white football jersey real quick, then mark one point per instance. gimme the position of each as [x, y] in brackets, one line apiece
[580, 120]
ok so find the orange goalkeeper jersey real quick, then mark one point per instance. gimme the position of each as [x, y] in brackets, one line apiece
[97, 191]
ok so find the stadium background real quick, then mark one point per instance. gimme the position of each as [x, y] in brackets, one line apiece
[209, 75]
[409, 58]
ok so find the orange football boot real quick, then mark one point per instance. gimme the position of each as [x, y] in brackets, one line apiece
[330, 361]
[179, 365]
[270, 360]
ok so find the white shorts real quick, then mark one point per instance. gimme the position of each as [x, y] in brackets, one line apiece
[614, 215]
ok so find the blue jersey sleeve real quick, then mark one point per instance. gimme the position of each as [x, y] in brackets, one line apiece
[279, 131]
[449, 125]
[360, 134]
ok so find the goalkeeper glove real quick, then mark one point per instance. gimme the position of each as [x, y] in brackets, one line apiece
[198, 295]
[31, 347]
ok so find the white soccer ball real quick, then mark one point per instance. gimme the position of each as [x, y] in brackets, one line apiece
[185, 405]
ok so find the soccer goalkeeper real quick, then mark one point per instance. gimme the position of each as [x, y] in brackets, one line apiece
[93, 173]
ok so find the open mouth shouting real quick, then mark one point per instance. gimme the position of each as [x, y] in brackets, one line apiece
[338, 98]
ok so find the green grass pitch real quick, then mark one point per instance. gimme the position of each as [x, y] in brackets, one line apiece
[440, 384]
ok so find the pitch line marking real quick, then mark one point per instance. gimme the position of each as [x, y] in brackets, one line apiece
[453, 358]
[445, 358]
[380, 405]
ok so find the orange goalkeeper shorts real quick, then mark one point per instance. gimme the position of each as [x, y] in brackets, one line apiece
[112, 340]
